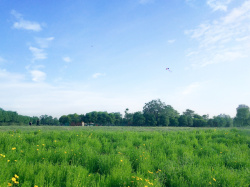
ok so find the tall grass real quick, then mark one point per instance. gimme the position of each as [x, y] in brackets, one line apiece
[124, 157]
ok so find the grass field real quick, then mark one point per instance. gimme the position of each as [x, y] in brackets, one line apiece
[124, 156]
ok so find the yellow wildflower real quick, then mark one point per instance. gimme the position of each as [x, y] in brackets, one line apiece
[13, 179]
[43, 144]
[8, 160]
[214, 179]
[35, 186]
[37, 145]
[121, 160]
[16, 176]
[9, 184]
[16, 182]
[13, 148]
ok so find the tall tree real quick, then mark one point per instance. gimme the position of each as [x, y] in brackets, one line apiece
[128, 118]
[242, 117]
[158, 109]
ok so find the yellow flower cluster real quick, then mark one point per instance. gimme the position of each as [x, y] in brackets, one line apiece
[2, 155]
[140, 179]
[158, 171]
[14, 180]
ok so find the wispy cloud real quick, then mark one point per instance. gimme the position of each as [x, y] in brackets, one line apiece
[224, 39]
[25, 24]
[38, 76]
[218, 4]
[67, 59]
[6, 76]
[44, 42]
[96, 75]
[171, 41]
[38, 54]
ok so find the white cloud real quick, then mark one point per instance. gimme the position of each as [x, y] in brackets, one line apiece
[6, 76]
[237, 15]
[44, 42]
[38, 76]
[222, 40]
[96, 75]
[25, 24]
[218, 4]
[38, 54]
[67, 59]
[242, 38]
[39, 98]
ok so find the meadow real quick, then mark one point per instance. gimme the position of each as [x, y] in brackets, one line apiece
[124, 156]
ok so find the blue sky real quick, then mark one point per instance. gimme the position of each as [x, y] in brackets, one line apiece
[62, 57]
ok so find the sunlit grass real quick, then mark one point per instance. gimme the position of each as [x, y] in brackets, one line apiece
[119, 156]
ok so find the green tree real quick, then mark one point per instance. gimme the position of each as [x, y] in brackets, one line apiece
[150, 119]
[117, 118]
[173, 121]
[163, 120]
[155, 108]
[128, 118]
[138, 119]
[189, 113]
[242, 117]
[183, 121]
[159, 109]
[64, 120]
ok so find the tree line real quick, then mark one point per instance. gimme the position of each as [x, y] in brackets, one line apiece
[154, 113]
[13, 118]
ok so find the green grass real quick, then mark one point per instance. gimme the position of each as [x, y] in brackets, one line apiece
[124, 156]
